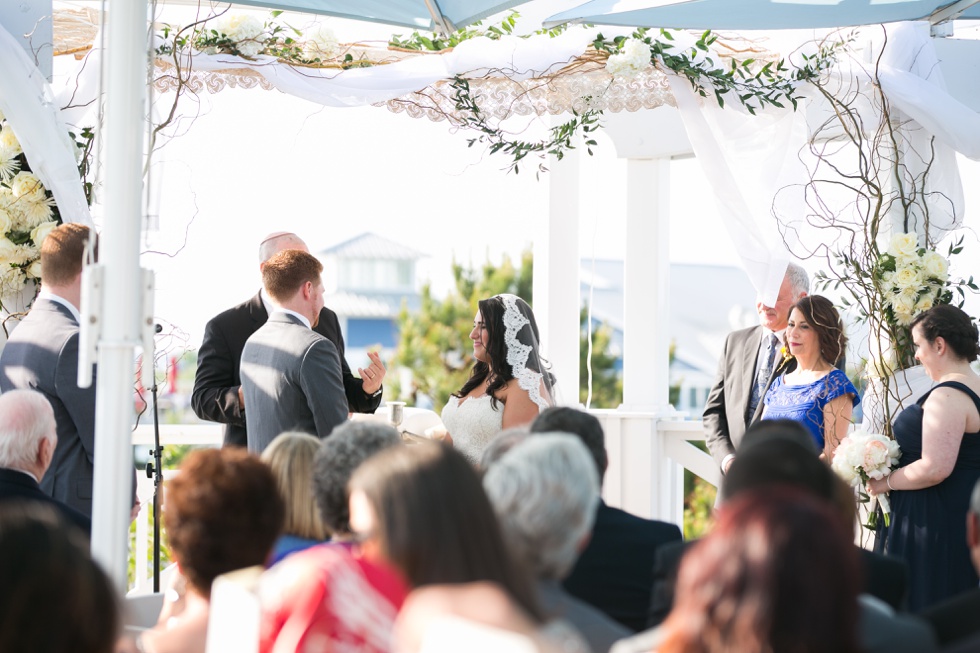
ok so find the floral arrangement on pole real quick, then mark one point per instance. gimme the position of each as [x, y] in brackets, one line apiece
[27, 216]
[862, 456]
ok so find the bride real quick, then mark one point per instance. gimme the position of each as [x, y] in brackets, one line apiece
[510, 383]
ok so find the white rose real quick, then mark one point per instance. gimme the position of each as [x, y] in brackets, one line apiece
[903, 245]
[40, 232]
[924, 303]
[34, 269]
[907, 278]
[26, 186]
[8, 252]
[239, 27]
[9, 142]
[935, 265]
[6, 222]
[902, 303]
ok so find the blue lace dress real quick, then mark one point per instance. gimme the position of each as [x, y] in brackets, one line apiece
[805, 403]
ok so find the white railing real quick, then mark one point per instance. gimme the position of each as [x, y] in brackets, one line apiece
[647, 458]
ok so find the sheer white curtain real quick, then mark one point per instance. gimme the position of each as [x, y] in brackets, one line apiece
[28, 104]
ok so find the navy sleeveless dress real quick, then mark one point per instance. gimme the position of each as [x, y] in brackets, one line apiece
[928, 526]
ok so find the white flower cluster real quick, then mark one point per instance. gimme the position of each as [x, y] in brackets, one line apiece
[321, 43]
[26, 217]
[913, 279]
[863, 455]
[244, 30]
[633, 58]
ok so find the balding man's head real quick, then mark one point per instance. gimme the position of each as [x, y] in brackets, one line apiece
[277, 242]
[26, 426]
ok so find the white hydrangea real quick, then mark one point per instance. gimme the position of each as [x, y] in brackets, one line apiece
[633, 58]
[321, 43]
[244, 30]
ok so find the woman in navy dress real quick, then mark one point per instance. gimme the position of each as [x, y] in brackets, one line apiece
[814, 392]
[940, 464]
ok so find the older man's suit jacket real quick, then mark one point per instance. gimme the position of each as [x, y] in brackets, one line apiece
[42, 355]
[292, 380]
[215, 396]
[18, 486]
[615, 571]
[724, 416]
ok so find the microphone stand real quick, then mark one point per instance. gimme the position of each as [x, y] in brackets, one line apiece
[154, 470]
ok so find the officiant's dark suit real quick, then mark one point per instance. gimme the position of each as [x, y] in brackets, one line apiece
[215, 396]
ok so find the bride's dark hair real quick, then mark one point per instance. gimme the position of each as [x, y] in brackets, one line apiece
[498, 372]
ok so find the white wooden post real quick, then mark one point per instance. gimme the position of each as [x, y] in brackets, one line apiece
[556, 276]
[126, 76]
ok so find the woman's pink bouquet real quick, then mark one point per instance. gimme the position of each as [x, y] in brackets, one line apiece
[862, 456]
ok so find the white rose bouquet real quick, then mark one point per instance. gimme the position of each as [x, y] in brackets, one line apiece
[862, 456]
[912, 279]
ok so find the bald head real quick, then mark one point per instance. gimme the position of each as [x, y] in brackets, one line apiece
[26, 427]
[277, 242]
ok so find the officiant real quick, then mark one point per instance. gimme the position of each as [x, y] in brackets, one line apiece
[218, 396]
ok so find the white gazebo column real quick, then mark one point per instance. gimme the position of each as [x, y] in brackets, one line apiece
[119, 250]
[642, 479]
[30, 22]
[556, 276]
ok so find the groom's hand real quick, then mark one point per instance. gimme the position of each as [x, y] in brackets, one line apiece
[374, 375]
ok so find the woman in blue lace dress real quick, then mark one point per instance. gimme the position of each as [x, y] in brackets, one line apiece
[811, 390]
[940, 464]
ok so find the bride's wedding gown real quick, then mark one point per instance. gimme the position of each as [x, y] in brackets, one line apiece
[472, 423]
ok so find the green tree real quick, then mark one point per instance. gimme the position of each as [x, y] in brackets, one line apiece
[607, 383]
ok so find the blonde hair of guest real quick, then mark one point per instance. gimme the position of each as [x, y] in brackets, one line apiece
[290, 456]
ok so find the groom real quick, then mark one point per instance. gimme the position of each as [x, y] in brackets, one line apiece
[748, 365]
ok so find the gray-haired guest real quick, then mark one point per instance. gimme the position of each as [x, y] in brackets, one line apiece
[615, 571]
[349, 445]
[545, 491]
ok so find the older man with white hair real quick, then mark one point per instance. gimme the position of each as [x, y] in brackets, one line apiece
[27, 442]
[545, 491]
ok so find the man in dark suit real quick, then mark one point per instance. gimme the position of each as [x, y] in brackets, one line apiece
[42, 355]
[217, 394]
[748, 365]
[28, 438]
[291, 375]
[614, 572]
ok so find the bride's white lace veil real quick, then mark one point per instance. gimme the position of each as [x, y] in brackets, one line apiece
[523, 353]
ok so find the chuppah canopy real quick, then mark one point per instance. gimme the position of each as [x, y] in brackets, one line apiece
[763, 14]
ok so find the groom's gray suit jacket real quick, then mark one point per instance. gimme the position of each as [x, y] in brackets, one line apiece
[42, 355]
[291, 380]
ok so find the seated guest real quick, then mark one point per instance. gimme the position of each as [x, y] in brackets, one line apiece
[349, 445]
[778, 573]
[955, 620]
[545, 491]
[223, 512]
[53, 597]
[422, 509]
[615, 571]
[28, 438]
[774, 465]
[290, 457]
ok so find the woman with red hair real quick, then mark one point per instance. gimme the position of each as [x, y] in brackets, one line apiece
[777, 574]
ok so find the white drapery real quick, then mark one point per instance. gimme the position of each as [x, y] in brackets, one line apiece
[27, 102]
